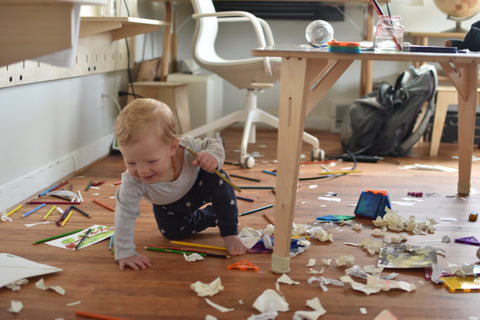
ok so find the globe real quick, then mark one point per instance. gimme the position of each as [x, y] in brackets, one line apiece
[458, 10]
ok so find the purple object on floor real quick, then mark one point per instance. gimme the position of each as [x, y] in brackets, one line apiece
[468, 240]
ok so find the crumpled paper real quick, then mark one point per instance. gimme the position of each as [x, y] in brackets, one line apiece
[40, 284]
[286, 280]
[375, 285]
[15, 306]
[270, 301]
[210, 289]
[324, 282]
[310, 315]
[345, 261]
[193, 257]
[15, 285]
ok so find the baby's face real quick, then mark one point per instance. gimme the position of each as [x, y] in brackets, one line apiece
[149, 158]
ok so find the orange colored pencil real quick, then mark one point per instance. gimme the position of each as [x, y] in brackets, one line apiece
[103, 205]
[95, 316]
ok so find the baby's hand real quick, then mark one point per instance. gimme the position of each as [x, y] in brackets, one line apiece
[135, 262]
[205, 160]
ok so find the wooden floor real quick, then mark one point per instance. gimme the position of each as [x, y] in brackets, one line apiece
[91, 276]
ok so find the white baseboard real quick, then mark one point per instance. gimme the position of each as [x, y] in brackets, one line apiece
[21, 188]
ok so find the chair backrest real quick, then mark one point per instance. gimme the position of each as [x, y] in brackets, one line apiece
[203, 44]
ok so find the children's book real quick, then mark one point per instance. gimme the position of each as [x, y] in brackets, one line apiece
[96, 234]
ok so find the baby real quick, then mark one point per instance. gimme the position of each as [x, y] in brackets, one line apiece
[178, 184]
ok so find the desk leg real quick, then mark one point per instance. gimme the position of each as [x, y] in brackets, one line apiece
[466, 124]
[167, 40]
[292, 110]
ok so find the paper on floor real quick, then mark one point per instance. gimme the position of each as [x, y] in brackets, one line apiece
[207, 289]
[13, 268]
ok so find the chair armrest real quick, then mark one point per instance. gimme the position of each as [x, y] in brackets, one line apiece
[261, 27]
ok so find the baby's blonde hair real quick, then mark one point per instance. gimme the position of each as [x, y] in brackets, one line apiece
[141, 113]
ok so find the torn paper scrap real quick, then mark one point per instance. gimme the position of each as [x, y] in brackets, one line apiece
[15, 285]
[218, 307]
[315, 271]
[210, 289]
[360, 286]
[270, 301]
[385, 315]
[310, 315]
[210, 317]
[15, 306]
[249, 236]
[13, 268]
[40, 284]
[311, 262]
[192, 257]
[286, 280]
[324, 282]
[346, 261]
[418, 166]
[387, 285]
[321, 235]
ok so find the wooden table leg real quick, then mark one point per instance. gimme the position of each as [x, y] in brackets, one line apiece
[293, 96]
[467, 102]
[167, 40]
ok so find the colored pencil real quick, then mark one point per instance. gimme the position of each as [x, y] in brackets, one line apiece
[53, 202]
[221, 176]
[270, 172]
[256, 210]
[59, 186]
[47, 191]
[33, 210]
[82, 212]
[95, 316]
[57, 236]
[110, 243]
[103, 205]
[89, 185]
[67, 218]
[245, 199]
[20, 206]
[206, 246]
[267, 217]
[245, 178]
[203, 254]
[83, 239]
[257, 187]
[49, 213]
[64, 216]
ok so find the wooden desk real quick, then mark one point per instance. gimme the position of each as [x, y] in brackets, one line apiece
[307, 75]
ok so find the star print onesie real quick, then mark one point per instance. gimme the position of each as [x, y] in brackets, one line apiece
[176, 204]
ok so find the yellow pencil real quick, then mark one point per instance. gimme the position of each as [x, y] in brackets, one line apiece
[218, 173]
[68, 217]
[14, 210]
[340, 172]
[206, 246]
[49, 213]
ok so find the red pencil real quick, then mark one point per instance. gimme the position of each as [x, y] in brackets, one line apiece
[95, 316]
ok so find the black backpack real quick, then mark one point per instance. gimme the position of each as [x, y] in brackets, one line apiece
[381, 123]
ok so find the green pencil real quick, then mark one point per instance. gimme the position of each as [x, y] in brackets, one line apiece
[56, 237]
[256, 210]
[188, 252]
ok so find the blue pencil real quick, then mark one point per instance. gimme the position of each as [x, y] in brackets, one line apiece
[34, 209]
[270, 172]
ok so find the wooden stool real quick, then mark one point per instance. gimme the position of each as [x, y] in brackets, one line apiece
[175, 95]
[446, 95]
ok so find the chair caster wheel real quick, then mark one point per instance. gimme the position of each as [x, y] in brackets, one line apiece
[248, 162]
[317, 154]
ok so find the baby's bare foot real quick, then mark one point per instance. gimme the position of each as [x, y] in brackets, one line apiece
[235, 245]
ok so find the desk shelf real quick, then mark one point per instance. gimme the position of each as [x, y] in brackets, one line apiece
[120, 27]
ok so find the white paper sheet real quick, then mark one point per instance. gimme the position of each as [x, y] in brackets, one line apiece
[13, 268]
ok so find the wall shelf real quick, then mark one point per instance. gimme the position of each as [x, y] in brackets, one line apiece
[120, 27]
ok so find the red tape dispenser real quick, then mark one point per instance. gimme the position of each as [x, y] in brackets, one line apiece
[243, 265]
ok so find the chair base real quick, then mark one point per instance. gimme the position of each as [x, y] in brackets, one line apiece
[251, 115]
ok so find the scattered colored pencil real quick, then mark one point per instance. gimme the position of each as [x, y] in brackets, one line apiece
[47, 191]
[54, 202]
[257, 187]
[203, 254]
[67, 218]
[245, 178]
[83, 239]
[59, 186]
[89, 185]
[45, 217]
[245, 199]
[103, 205]
[82, 212]
[33, 210]
[270, 172]
[206, 246]
[57, 236]
[110, 243]
[221, 176]
[267, 217]
[95, 316]
[256, 210]
[20, 206]
[339, 172]
[64, 216]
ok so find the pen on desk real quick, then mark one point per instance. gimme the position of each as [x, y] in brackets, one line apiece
[14, 210]
[83, 239]
[221, 176]
[256, 210]
[33, 210]
[57, 236]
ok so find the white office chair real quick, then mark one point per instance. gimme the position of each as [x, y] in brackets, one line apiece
[253, 74]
